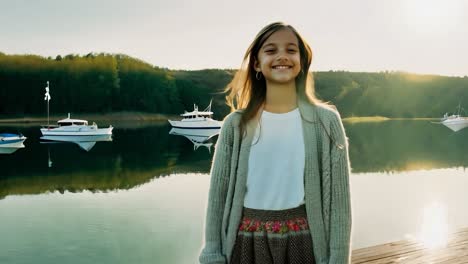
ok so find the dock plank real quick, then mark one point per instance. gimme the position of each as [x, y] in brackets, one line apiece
[411, 252]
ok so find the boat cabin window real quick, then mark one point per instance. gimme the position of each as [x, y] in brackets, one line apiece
[72, 123]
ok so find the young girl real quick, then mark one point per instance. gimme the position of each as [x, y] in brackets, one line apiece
[279, 190]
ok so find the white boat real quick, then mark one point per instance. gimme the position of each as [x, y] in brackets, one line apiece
[73, 130]
[10, 143]
[455, 122]
[76, 130]
[197, 120]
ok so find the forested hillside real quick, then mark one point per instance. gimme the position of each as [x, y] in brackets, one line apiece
[102, 83]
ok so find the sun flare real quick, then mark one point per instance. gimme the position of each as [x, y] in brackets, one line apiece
[433, 16]
[434, 228]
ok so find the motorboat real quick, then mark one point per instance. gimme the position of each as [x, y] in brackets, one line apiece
[10, 143]
[197, 120]
[75, 130]
[455, 122]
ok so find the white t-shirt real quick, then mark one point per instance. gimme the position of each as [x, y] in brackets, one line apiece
[275, 179]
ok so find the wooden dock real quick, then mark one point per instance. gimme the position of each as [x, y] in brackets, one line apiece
[455, 252]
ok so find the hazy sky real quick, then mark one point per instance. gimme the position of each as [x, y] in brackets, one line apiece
[422, 36]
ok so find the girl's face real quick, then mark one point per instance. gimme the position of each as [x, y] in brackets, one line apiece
[279, 58]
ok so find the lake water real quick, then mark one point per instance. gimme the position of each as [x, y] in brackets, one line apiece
[141, 198]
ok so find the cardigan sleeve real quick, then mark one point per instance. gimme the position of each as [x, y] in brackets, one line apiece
[340, 211]
[219, 181]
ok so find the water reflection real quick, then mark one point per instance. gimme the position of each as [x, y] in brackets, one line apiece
[8, 150]
[139, 154]
[434, 230]
[397, 146]
[49, 161]
[124, 186]
[85, 142]
[107, 228]
[136, 156]
[199, 137]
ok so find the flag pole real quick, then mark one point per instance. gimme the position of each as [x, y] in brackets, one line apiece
[47, 98]
[48, 112]
[48, 106]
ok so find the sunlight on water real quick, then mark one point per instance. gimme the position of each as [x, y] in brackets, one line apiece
[434, 229]
[423, 206]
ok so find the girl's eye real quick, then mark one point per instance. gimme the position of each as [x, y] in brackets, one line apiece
[292, 51]
[270, 51]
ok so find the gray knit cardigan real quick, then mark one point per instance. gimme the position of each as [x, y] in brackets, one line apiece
[326, 186]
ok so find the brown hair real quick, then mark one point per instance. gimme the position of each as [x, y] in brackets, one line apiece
[248, 93]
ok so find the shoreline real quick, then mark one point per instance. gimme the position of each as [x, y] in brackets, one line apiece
[154, 117]
[363, 119]
[115, 116]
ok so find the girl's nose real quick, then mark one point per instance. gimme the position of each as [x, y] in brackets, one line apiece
[282, 57]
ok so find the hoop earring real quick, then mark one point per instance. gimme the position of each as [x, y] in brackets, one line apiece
[258, 75]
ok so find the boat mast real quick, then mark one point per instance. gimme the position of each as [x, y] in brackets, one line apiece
[208, 109]
[47, 98]
[459, 109]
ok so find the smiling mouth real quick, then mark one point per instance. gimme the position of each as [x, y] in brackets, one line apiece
[282, 67]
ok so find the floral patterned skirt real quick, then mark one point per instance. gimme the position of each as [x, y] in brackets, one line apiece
[273, 237]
